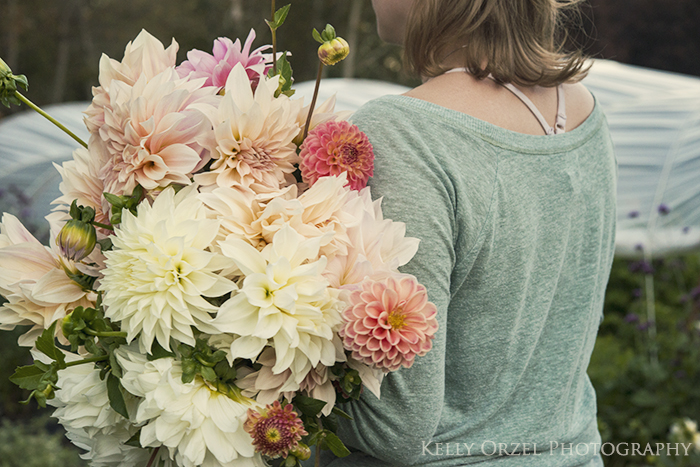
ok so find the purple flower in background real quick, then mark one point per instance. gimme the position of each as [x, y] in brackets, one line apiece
[664, 209]
[641, 266]
[644, 326]
[686, 229]
[695, 293]
[639, 247]
[631, 318]
[226, 54]
[633, 214]
[637, 293]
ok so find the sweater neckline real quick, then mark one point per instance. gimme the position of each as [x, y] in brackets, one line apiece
[502, 137]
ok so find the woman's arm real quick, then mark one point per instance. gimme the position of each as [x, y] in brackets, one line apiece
[416, 191]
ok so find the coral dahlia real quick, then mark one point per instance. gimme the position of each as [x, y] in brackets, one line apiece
[275, 430]
[389, 322]
[334, 147]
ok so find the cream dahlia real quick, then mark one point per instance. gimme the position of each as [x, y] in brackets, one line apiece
[254, 135]
[152, 135]
[376, 245]
[389, 322]
[317, 213]
[34, 280]
[80, 181]
[159, 271]
[334, 147]
[198, 425]
[217, 66]
[144, 57]
[275, 430]
[284, 298]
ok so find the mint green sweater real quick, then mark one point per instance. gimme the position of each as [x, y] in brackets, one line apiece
[517, 239]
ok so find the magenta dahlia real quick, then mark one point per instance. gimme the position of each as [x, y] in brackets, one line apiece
[334, 147]
[226, 54]
[275, 430]
[389, 322]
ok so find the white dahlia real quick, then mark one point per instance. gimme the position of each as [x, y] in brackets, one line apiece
[254, 135]
[284, 300]
[83, 409]
[199, 425]
[159, 271]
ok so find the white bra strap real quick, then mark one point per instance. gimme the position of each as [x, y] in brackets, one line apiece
[559, 125]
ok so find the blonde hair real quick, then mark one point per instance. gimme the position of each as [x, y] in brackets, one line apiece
[516, 41]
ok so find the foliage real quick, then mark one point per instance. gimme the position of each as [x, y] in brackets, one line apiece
[640, 396]
[37, 443]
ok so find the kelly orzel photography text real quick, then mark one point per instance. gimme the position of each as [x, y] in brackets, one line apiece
[492, 448]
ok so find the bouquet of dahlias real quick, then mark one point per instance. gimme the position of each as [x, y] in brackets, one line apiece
[219, 280]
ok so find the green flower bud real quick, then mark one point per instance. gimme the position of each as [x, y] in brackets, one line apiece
[9, 83]
[333, 51]
[301, 452]
[76, 239]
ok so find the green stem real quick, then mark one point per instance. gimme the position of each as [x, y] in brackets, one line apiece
[274, 42]
[88, 360]
[104, 226]
[313, 100]
[33, 106]
[105, 333]
[153, 457]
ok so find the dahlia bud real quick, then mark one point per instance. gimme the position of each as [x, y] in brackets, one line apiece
[301, 452]
[76, 239]
[8, 85]
[333, 49]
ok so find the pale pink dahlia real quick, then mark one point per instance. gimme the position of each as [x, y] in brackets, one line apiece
[334, 147]
[226, 54]
[389, 322]
[275, 430]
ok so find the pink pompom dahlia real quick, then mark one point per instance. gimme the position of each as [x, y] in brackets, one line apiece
[275, 430]
[334, 147]
[389, 322]
[226, 54]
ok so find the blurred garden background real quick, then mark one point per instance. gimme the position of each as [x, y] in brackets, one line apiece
[648, 383]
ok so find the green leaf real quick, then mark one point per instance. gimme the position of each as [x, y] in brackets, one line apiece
[46, 344]
[308, 405]
[208, 373]
[114, 200]
[28, 377]
[317, 36]
[74, 211]
[330, 422]
[135, 440]
[22, 80]
[105, 244]
[340, 413]
[281, 15]
[116, 398]
[335, 444]
[157, 351]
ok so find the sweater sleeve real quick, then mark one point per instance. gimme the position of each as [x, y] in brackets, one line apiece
[414, 190]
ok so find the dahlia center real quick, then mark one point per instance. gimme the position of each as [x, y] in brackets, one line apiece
[257, 158]
[273, 435]
[396, 319]
[349, 155]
